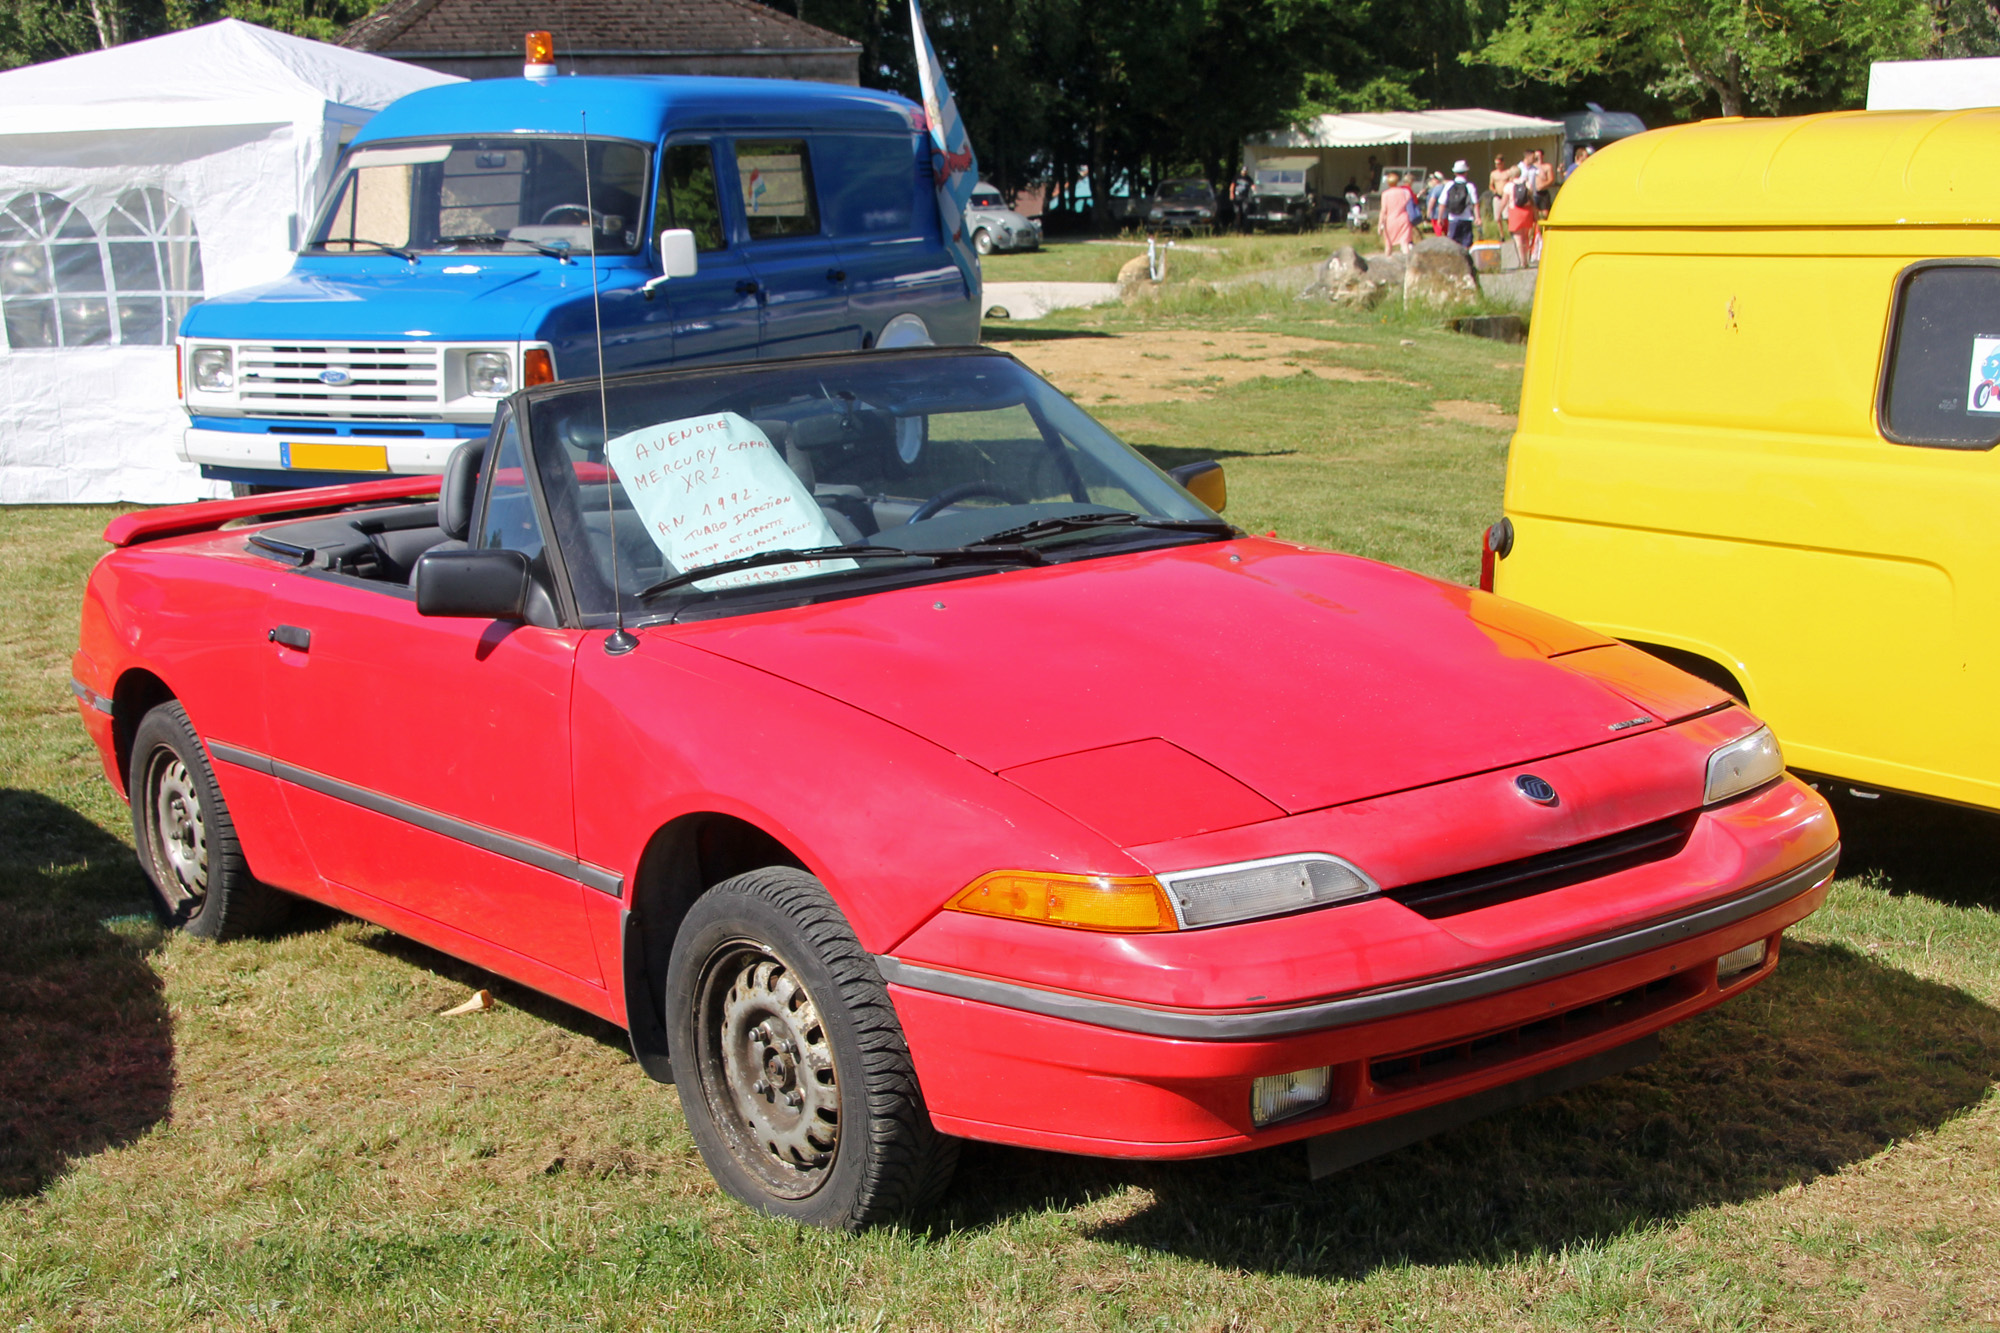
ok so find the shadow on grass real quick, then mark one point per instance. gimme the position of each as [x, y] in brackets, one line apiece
[1947, 853]
[547, 1008]
[86, 1044]
[1819, 1067]
[1173, 455]
[1003, 332]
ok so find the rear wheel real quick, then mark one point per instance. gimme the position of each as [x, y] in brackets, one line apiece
[186, 839]
[793, 1073]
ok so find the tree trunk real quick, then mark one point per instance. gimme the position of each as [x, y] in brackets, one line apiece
[110, 23]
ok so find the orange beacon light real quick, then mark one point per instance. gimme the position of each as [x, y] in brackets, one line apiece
[541, 53]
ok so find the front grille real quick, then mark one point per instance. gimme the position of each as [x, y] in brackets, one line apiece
[1510, 880]
[384, 380]
[1416, 1069]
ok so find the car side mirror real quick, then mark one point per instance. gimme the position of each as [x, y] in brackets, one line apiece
[1205, 482]
[677, 254]
[483, 585]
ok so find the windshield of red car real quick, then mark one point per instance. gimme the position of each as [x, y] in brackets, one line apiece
[917, 451]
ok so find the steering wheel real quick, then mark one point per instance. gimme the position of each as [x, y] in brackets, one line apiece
[590, 214]
[965, 490]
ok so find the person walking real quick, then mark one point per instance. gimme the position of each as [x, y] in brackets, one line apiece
[1398, 233]
[1496, 186]
[1434, 203]
[1460, 205]
[1545, 183]
[1522, 216]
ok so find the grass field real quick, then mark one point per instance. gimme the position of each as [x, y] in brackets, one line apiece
[285, 1134]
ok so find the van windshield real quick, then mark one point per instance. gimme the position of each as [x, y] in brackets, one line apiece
[497, 193]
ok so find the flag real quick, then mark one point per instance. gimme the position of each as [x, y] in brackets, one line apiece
[953, 166]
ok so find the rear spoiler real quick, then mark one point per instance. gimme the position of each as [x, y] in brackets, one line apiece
[205, 516]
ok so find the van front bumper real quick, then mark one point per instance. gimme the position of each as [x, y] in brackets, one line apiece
[276, 456]
[1047, 1069]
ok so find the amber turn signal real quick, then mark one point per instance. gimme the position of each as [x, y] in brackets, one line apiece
[537, 368]
[1127, 905]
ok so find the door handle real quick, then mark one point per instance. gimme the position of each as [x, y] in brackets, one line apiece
[836, 275]
[746, 286]
[291, 636]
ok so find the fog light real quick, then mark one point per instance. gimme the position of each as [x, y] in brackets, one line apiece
[1281, 1096]
[1738, 961]
[487, 375]
[209, 368]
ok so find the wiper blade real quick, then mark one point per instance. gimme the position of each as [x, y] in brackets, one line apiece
[399, 251]
[495, 238]
[951, 555]
[1113, 519]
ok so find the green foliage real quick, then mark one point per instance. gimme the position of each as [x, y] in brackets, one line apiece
[36, 30]
[1735, 56]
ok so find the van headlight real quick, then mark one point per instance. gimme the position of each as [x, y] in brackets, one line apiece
[1271, 887]
[1742, 765]
[209, 369]
[488, 375]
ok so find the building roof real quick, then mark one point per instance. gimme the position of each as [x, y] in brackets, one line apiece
[588, 27]
[1375, 129]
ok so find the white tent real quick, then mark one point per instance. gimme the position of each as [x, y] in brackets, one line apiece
[134, 181]
[1430, 139]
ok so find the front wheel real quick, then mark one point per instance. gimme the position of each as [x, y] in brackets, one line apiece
[793, 1073]
[186, 839]
[982, 241]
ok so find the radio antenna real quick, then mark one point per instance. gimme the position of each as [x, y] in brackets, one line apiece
[620, 641]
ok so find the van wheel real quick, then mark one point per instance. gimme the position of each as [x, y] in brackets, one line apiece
[982, 241]
[793, 1073]
[186, 839]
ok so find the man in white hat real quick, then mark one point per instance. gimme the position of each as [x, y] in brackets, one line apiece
[1460, 205]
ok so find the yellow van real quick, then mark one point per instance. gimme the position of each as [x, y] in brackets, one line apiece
[1758, 427]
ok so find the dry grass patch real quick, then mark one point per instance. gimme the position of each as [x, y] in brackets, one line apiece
[1150, 365]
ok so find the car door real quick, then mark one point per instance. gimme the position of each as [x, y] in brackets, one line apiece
[879, 207]
[800, 281]
[716, 315]
[426, 759]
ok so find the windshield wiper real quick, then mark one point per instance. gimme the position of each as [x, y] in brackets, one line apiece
[495, 238]
[1213, 527]
[399, 251]
[952, 555]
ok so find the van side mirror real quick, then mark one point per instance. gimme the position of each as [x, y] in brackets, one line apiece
[1205, 482]
[677, 254]
[482, 585]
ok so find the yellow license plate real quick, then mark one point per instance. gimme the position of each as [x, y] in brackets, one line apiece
[316, 457]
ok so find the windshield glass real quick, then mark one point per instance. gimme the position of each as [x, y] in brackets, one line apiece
[503, 193]
[1279, 181]
[1186, 192]
[918, 453]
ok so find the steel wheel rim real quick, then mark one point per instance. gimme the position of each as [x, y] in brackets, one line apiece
[767, 1069]
[179, 829]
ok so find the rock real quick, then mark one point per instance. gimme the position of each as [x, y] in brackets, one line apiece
[1358, 291]
[1345, 278]
[1440, 273]
[1135, 280]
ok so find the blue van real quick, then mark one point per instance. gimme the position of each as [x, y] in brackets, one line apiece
[451, 262]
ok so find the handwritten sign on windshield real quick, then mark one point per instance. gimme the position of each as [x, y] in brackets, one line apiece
[712, 488]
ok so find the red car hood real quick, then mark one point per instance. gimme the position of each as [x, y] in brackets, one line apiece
[1314, 679]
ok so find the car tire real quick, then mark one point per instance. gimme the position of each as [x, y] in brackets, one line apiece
[794, 1076]
[982, 241]
[186, 840]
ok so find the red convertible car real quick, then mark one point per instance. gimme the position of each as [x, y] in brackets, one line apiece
[907, 758]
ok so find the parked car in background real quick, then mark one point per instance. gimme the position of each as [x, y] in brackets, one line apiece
[1182, 205]
[901, 758]
[1282, 197]
[994, 226]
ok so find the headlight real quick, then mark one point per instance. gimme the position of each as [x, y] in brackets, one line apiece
[1157, 214]
[488, 375]
[1204, 212]
[208, 369]
[1263, 888]
[1741, 765]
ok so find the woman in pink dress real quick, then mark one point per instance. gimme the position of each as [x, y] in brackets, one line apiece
[1397, 233]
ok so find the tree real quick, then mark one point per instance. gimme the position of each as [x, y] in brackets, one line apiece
[37, 30]
[1735, 55]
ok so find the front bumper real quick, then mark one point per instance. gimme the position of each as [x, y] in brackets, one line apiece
[1055, 1070]
[276, 456]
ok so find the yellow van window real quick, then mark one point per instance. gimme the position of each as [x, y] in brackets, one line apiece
[1942, 383]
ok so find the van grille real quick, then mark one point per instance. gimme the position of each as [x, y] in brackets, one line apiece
[384, 380]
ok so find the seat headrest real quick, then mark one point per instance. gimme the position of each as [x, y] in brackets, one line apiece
[461, 484]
